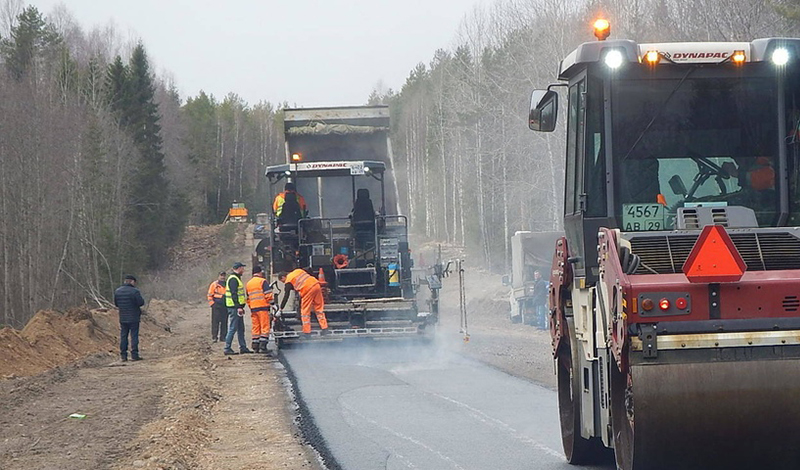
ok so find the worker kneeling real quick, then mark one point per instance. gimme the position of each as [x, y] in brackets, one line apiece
[307, 286]
[259, 298]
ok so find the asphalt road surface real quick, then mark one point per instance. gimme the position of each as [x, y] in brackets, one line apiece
[404, 406]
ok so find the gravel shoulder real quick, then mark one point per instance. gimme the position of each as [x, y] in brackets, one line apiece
[186, 406]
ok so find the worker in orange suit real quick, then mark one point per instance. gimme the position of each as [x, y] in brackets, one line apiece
[259, 299]
[219, 313]
[308, 287]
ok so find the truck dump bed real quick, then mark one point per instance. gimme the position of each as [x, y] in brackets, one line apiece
[341, 134]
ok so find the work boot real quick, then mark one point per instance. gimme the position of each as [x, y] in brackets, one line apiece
[255, 347]
[123, 358]
[230, 352]
[136, 358]
[245, 351]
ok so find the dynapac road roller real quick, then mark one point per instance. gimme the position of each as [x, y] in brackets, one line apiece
[675, 297]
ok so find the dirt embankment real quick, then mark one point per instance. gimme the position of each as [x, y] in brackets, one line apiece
[52, 339]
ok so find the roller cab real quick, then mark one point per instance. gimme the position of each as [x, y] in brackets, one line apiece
[675, 292]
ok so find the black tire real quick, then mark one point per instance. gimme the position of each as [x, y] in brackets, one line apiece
[577, 449]
[622, 418]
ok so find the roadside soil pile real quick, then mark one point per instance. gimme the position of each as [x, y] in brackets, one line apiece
[52, 338]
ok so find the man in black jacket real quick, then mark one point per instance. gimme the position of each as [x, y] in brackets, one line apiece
[129, 301]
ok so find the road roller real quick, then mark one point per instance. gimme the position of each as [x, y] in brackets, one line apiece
[675, 293]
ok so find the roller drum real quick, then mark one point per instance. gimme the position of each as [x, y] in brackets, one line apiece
[709, 415]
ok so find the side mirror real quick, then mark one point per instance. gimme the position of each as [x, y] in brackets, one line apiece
[506, 281]
[677, 186]
[544, 111]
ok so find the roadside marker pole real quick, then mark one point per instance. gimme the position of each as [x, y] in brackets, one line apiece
[462, 299]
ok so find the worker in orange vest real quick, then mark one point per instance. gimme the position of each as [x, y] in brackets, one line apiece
[760, 176]
[259, 299]
[290, 192]
[219, 313]
[310, 297]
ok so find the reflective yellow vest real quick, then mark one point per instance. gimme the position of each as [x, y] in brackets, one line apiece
[239, 292]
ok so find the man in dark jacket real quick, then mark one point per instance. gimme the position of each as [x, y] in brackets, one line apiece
[129, 301]
[540, 294]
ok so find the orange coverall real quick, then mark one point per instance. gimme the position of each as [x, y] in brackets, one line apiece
[216, 292]
[259, 297]
[310, 298]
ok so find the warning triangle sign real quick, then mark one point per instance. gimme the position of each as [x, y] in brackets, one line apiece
[714, 258]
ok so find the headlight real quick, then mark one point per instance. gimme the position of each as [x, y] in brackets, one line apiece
[614, 59]
[780, 56]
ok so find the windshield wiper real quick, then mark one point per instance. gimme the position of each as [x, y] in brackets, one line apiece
[658, 113]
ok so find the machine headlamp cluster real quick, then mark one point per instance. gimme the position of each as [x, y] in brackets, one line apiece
[614, 59]
[780, 56]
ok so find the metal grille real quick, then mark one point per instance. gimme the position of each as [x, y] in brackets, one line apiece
[761, 251]
[791, 303]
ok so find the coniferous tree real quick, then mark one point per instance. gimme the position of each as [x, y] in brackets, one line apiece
[201, 144]
[31, 37]
[117, 89]
[149, 189]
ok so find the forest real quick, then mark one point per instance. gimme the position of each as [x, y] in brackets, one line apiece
[104, 163]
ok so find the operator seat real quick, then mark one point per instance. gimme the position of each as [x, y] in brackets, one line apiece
[290, 214]
[362, 218]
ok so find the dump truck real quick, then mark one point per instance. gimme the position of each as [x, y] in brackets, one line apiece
[237, 212]
[349, 232]
[675, 298]
[530, 252]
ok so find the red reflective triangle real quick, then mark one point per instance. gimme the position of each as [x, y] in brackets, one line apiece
[714, 257]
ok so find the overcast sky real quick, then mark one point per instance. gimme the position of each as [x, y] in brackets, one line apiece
[306, 52]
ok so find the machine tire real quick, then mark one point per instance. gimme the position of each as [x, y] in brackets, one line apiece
[577, 449]
[622, 420]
